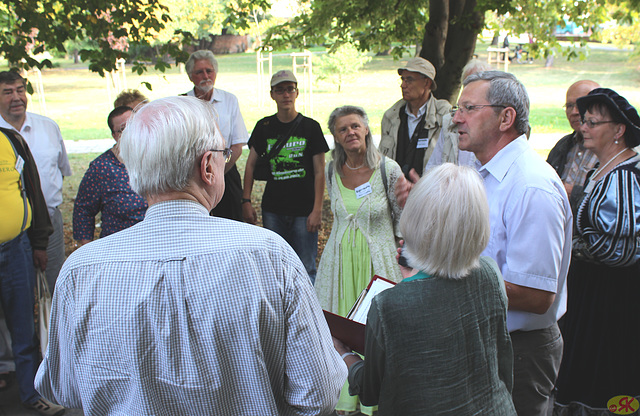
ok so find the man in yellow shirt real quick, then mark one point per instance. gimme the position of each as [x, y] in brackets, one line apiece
[24, 234]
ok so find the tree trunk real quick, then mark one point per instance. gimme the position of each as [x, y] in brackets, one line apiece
[458, 44]
[435, 33]
[496, 38]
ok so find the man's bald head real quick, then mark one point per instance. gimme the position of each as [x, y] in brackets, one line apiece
[576, 90]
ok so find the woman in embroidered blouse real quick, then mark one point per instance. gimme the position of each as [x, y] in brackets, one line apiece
[105, 188]
[363, 238]
[437, 343]
[601, 358]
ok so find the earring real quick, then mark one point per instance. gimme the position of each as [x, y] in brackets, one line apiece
[616, 141]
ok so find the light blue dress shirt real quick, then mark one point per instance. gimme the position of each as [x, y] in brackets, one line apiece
[187, 314]
[531, 228]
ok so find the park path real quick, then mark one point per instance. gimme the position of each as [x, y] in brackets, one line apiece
[541, 141]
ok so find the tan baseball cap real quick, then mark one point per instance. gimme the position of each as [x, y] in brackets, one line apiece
[421, 66]
[283, 76]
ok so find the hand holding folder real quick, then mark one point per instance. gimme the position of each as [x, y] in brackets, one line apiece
[350, 330]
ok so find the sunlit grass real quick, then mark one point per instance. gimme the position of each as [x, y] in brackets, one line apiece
[80, 100]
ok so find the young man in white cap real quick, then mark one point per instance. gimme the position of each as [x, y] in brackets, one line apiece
[411, 127]
[294, 146]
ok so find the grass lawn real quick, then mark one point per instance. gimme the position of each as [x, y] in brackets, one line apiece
[80, 101]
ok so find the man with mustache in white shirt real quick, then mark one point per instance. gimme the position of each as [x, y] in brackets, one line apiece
[202, 68]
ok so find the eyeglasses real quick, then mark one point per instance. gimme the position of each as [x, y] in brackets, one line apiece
[591, 124]
[282, 90]
[409, 80]
[226, 153]
[570, 106]
[467, 108]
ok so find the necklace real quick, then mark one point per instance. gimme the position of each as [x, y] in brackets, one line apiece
[347, 163]
[592, 179]
[597, 172]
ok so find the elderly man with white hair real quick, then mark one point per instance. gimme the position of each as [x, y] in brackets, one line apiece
[183, 313]
[202, 68]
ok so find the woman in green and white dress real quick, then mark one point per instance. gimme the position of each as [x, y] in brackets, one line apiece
[363, 240]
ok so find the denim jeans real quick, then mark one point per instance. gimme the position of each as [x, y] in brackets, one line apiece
[294, 231]
[17, 282]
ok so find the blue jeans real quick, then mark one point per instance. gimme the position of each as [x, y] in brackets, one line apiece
[17, 283]
[294, 231]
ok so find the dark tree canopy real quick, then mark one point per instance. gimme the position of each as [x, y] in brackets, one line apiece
[445, 30]
[34, 26]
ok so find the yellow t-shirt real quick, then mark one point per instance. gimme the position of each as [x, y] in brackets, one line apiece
[13, 206]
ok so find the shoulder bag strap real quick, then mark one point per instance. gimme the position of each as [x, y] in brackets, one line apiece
[280, 144]
[330, 173]
[23, 191]
[383, 172]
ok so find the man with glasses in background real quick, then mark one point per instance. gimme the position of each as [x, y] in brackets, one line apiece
[292, 200]
[411, 127]
[569, 157]
[202, 68]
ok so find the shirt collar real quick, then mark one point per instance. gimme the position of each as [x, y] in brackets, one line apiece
[499, 164]
[216, 96]
[179, 207]
[576, 138]
[27, 124]
[421, 111]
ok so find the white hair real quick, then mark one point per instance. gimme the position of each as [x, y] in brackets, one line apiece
[473, 66]
[445, 222]
[200, 55]
[164, 141]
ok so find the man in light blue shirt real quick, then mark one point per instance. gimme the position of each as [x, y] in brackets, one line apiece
[531, 224]
[183, 313]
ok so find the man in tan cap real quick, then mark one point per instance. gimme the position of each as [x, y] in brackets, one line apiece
[294, 146]
[411, 127]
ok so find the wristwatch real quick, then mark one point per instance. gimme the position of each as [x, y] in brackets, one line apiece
[243, 200]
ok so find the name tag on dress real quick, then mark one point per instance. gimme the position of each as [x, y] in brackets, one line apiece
[363, 190]
[19, 164]
[423, 143]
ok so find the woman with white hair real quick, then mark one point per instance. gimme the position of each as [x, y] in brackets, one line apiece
[362, 243]
[437, 342]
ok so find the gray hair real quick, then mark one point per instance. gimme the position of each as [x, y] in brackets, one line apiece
[474, 66]
[445, 222]
[163, 142]
[11, 77]
[372, 156]
[199, 55]
[505, 89]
